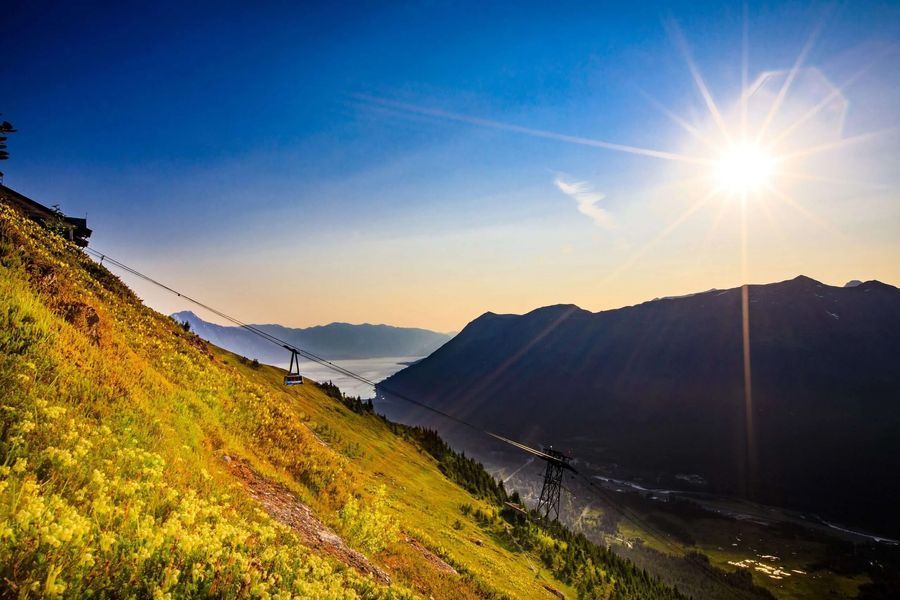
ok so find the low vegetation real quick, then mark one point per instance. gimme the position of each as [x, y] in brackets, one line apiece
[118, 429]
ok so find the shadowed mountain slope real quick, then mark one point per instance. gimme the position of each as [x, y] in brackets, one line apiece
[658, 388]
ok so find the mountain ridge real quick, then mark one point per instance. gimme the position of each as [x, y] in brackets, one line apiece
[659, 387]
[337, 340]
[800, 279]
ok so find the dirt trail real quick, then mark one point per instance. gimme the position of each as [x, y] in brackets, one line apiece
[284, 506]
[430, 556]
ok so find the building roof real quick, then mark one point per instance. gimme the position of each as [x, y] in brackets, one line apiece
[76, 229]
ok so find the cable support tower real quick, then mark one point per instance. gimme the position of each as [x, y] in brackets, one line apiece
[557, 462]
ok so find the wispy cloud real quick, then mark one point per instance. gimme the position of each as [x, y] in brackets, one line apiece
[587, 197]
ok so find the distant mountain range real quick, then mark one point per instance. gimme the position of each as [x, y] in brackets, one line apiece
[334, 341]
[657, 389]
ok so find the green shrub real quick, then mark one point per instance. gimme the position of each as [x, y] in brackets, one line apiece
[367, 524]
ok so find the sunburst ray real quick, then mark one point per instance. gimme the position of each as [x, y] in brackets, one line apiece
[812, 112]
[811, 216]
[717, 220]
[696, 133]
[762, 202]
[681, 43]
[831, 180]
[661, 235]
[792, 74]
[827, 147]
[745, 65]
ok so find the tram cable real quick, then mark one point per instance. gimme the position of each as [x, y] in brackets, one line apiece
[592, 485]
[315, 358]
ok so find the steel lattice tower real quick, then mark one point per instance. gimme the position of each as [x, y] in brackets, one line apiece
[557, 462]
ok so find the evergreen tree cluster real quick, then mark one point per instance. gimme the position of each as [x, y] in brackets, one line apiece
[357, 404]
[467, 472]
[589, 568]
[594, 571]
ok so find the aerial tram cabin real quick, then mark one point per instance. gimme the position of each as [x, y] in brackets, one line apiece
[293, 376]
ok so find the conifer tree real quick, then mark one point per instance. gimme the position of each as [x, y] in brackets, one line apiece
[5, 128]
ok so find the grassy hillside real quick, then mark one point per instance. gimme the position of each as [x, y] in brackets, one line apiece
[138, 460]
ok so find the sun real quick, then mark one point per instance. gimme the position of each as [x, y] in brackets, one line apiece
[744, 168]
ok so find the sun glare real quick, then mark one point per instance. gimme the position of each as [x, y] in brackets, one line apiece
[744, 168]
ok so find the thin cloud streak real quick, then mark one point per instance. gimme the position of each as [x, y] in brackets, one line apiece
[682, 123]
[538, 133]
[587, 199]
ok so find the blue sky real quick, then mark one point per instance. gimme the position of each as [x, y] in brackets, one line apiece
[264, 155]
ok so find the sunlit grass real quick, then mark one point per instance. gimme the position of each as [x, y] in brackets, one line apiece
[115, 425]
